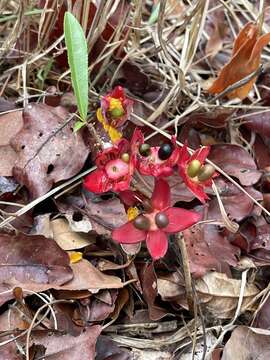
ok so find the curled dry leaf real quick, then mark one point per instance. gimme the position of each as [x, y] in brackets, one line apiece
[220, 294]
[46, 154]
[235, 161]
[68, 239]
[10, 125]
[247, 343]
[246, 57]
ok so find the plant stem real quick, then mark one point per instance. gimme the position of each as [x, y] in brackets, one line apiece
[187, 276]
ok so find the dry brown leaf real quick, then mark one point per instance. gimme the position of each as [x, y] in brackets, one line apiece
[220, 294]
[85, 277]
[10, 125]
[47, 151]
[247, 343]
[68, 239]
[67, 347]
[246, 57]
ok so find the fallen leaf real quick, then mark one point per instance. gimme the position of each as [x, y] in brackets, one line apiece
[7, 185]
[36, 259]
[106, 215]
[219, 294]
[259, 123]
[247, 343]
[68, 239]
[235, 161]
[262, 153]
[214, 119]
[107, 349]
[262, 319]
[85, 277]
[238, 205]
[96, 309]
[246, 57]
[46, 150]
[10, 125]
[67, 347]
[209, 249]
[149, 285]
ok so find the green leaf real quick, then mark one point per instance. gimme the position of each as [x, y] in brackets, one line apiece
[154, 15]
[78, 125]
[78, 61]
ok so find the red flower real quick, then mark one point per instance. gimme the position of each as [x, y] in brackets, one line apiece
[157, 165]
[116, 107]
[115, 166]
[154, 225]
[195, 174]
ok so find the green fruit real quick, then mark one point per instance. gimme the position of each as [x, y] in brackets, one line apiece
[145, 149]
[117, 113]
[194, 168]
[125, 157]
[206, 172]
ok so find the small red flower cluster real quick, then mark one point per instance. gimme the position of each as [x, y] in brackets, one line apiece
[117, 164]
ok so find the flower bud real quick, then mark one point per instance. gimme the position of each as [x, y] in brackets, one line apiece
[161, 220]
[194, 168]
[125, 157]
[165, 151]
[145, 149]
[206, 172]
[141, 222]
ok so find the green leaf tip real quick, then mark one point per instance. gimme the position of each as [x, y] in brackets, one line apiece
[78, 61]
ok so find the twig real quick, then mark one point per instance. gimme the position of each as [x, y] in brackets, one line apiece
[188, 280]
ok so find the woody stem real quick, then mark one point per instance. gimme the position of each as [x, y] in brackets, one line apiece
[187, 276]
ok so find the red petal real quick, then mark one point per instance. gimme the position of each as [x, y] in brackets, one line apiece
[196, 189]
[97, 182]
[180, 219]
[128, 234]
[157, 243]
[201, 154]
[117, 93]
[184, 155]
[161, 198]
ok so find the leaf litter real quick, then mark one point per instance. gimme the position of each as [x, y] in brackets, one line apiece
[170, 68]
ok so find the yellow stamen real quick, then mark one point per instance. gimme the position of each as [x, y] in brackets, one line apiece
[115, 104]
[113, 133]
[132, 213]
